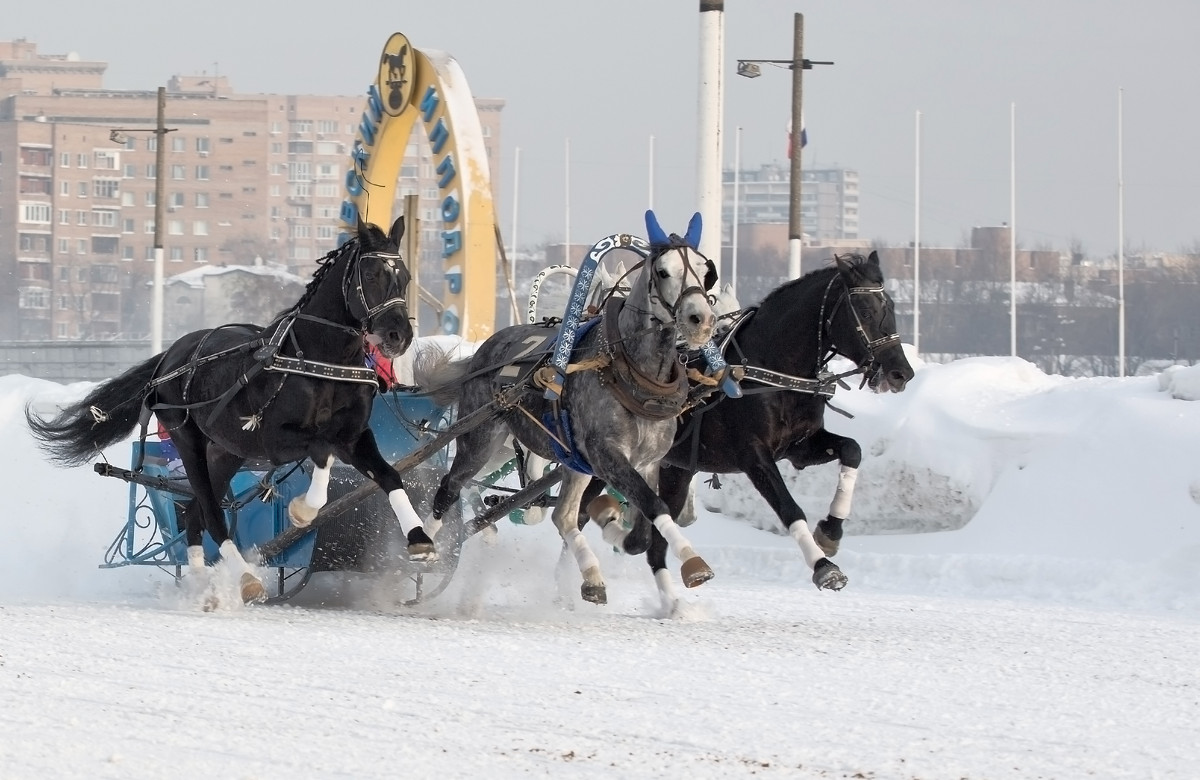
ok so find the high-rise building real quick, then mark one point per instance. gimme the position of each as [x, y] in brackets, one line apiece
[248, 178]
[828, 201]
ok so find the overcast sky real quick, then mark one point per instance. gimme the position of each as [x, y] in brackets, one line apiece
[608, 74]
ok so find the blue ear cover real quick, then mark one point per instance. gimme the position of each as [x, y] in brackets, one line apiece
[692, 238]
[654, 232]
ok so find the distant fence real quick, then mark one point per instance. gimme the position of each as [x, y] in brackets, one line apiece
[71, 361]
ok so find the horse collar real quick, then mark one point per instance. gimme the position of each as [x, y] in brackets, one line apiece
[641, 395]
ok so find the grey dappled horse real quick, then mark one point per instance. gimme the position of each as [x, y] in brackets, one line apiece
[636, 343]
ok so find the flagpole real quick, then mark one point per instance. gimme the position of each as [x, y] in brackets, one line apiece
[1120, 238]
[737, 184]
[567, 203]
[650, 195]
[917, 240]
[1012, 226]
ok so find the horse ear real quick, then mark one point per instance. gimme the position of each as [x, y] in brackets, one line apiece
[710, 274]
[362, 226]
[873, 258]
[654, 232]
[843, 263]
[397, 231]
[692, 237]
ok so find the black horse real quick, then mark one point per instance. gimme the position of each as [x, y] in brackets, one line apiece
[784, 346]
[294, 389]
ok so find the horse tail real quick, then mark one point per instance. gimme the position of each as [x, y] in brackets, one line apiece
[441, 376]
[103, 418]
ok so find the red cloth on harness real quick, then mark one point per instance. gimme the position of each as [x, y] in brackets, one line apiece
[382, 365]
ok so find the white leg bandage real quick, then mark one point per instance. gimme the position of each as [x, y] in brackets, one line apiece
[666, 589]
[808, 546]
[589, 566]
[318, 489]
[196, 558]
[404, 511]
[231, 553]
[679, 545]
[840, 506]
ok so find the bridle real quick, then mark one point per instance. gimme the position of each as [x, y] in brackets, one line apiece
[366, 319]
[870, 346]
[689, 271]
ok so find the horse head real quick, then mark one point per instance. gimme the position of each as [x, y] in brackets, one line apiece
[374, 286]
[862, 323]
[679, 280]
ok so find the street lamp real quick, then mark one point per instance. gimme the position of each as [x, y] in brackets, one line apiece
[119, 135]
[752, 69]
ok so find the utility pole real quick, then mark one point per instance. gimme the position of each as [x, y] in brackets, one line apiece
[795, 214]
[156, 297]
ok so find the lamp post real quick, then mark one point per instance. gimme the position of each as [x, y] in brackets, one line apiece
[118, 135]
[751, 69]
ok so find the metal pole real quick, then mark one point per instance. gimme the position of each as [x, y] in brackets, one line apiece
[650, 194]
[1120, 238]
[737, 186]
[917, 241]
[567, 202]
[1012, 227]
[512, 260]
[156, 297]
[709, 128]
[795, 219]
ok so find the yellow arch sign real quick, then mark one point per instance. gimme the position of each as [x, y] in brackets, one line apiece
[412, 85]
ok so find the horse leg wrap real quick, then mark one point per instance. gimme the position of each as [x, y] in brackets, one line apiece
[694, 570]
[804, 538]
[196, 559]
[828, 535]
[840, 506]
[420, 546]
[302, 510]
[666, 590]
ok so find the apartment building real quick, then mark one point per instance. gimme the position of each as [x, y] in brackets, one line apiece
[828, 202]
[248, 179]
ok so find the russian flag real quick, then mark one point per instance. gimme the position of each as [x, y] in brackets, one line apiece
[803, 136]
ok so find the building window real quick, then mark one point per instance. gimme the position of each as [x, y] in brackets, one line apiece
[127, 252]
[149, 253]
[105, 188]
[151, 198]
[126, 198]
[199, 228]
[36, 213]
[81, 217]
[178, 143]
[274, 190]
[202, 173]
[300, 126]
[175, 200]
[127, 225]
[64, 216]
[176, 254]
[81, 246]
[200, 254]
[64, 246]
[175, 227]
[202, 145]
[201, 200]
[105, 160]
[34, 298]
[130, 171]
[64, 188]
[104, 218]
[151, 170]
[152, 143]
[81, 161]
[148, 226]
[276, 147]
[178, 172]
[83, 189]
[327, 125]
[64, 160]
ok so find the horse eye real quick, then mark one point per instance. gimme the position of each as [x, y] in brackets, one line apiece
[664, 273]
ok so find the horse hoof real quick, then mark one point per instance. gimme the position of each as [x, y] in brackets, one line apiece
[695, 572]
[420, 546]
[828, 536]
[594, 594]
[827, 575]
[604, 508]
[300, 513]
[253, 591]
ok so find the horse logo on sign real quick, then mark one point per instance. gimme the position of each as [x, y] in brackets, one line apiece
[397, 69]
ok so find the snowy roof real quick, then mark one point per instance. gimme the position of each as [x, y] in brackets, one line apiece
[196, 276]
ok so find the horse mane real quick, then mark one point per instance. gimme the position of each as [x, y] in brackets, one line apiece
[855, 260]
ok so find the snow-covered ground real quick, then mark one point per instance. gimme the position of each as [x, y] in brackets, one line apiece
[1024, 601]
